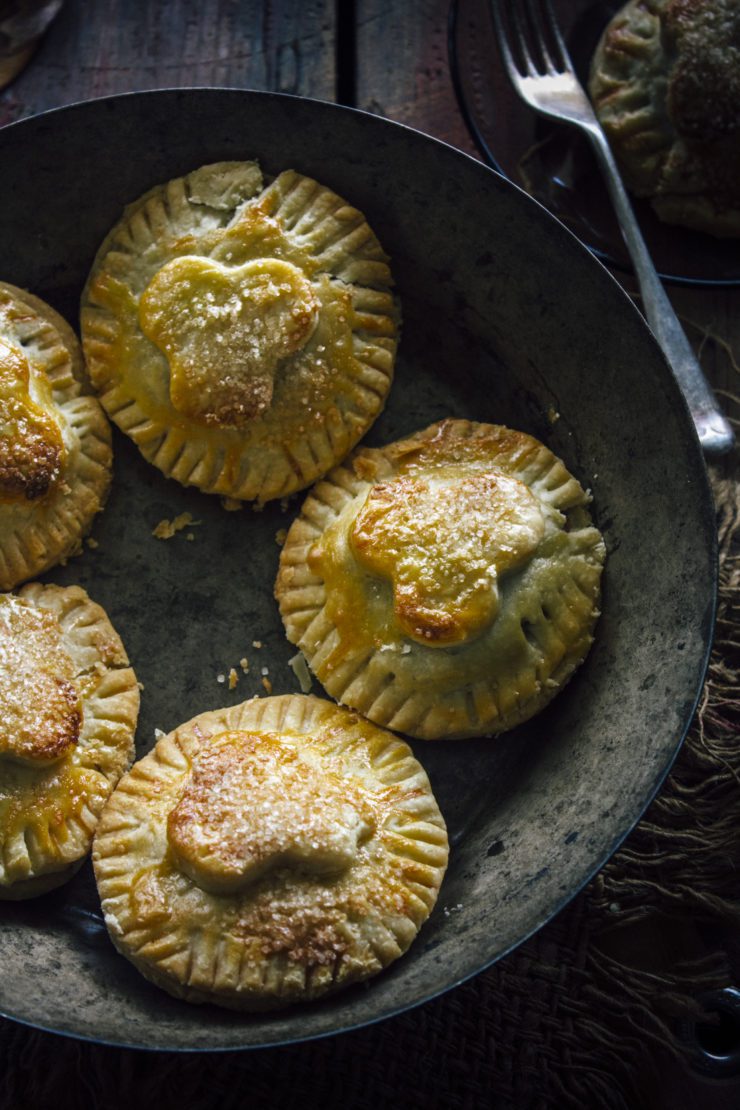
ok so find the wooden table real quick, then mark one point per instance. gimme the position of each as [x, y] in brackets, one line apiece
[385, 56]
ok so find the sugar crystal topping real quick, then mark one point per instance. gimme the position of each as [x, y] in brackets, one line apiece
[41, 710]
[224, 330]
[253, 804]
[31, 445]
[444, 540]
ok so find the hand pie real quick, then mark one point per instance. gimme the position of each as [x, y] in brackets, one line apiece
[665, 82]
[242, 333]
[69, 707]
[55, 453]
[269, 853]
[446, 585]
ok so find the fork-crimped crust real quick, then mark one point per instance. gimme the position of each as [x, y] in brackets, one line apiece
[665, 82]
[269, 853]
[446, 585]
[241, 332]
[70, 705]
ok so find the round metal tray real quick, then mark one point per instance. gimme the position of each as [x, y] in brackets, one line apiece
[507, 318]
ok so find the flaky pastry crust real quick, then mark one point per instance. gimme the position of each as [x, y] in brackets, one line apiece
[55, 450]
[70, 704]
[446, 585]
[269, 853]
[242, 332]
[665, 82]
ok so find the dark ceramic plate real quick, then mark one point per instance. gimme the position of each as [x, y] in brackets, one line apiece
[506, 317]
[553, 162]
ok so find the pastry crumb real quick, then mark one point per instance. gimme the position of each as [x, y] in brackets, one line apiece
[166, 529]
[220, 678]
[256, 643]
[92, 542]
[267, 684]
[553, 415]
[281, 536]
[232, 504]
[159, 733]
[299, 666]
[233, 678]
[71, 554]
[244, 664]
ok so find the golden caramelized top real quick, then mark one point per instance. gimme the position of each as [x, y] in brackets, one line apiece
[41, 709]
[251, 805]
[443, 445]
[443, 541]
[269, 852]
[224, 330]
[445, 585]
[31, 445]
[246, 327]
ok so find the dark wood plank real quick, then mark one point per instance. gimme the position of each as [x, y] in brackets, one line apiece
[114, 46]
[402, 66]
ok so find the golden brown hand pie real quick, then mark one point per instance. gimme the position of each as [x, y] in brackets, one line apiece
[269, 853]
[55, 453]
[69, 707]
[242, 332]
[446, 585]
[665, 82]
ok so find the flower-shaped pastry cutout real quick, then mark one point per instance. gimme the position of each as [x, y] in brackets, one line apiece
[31, 445]
[269, 853]
[41, 710]
[444, 541]
[252, 804]
[224, 330]
[241, 329]
[446, 585]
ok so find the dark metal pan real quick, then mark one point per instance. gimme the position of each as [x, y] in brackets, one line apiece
[507, 318]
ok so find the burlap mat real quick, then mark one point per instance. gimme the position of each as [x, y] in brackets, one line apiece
[586, 1014]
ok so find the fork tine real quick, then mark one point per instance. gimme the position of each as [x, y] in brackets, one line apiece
[540, 23]
[519, 22]
[502, 37]
[516, 32]
[523, 40]
[562, 60]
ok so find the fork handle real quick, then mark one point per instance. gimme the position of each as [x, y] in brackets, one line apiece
[714, 430]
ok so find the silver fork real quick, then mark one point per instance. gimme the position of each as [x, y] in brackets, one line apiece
[540, 69]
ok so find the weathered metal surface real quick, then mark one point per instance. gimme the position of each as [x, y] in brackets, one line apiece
[506, 318]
